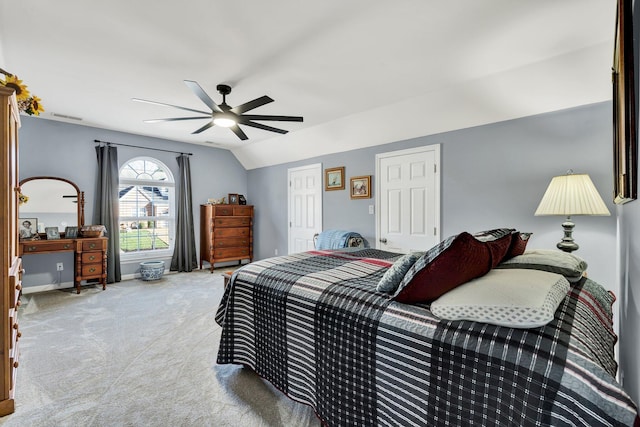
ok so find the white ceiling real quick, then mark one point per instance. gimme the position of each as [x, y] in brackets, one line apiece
[360, 72]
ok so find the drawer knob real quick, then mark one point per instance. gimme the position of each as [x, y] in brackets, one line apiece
[15, 326]
[18, 303]
[18, 287]
[32, 248]
[18, 335]
[92, 257]
[15, 364]
[67, 246]
[92, 270]
[92, 245]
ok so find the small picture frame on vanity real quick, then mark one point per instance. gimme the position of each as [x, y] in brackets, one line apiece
[52, 233]
[71, 232]
[241, 199]
[28, 228]
[233, 199]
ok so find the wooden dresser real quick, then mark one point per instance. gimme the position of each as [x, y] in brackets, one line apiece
[90, 256]
[11, 276]
[226, 233]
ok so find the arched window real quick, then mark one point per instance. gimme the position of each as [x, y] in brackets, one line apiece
[147, 218]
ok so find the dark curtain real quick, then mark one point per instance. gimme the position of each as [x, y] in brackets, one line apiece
[106, 206]
[184, 253]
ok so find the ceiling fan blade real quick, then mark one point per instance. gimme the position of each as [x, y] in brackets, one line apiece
[170, 105]
[263, 127]
[272, 118]
[175, 119]
[203, 128]
[200, 93]
[258, 102]
[239, 133]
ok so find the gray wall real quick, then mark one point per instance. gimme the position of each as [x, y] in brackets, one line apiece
[52, 148]
[492, 176]
[629, 298]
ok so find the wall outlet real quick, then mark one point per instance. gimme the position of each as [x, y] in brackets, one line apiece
[276, 252]
[59, 266]
[370, 209]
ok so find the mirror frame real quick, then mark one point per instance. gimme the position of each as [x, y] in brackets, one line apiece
[80, 193]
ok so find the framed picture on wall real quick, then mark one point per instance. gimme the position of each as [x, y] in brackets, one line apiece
[361, 187]
[334, 179]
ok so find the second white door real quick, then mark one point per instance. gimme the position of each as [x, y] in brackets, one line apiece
[408, 199]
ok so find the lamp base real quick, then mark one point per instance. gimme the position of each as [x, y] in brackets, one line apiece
[567, 244]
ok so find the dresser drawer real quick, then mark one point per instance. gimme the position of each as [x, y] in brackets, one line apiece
[91, 257]
[232, 221]
[230, 252]
[222, 210]
[13, 365]
[44, 246]
[231, 242]
[91, 270]
[15, 329]
[231, 232]
[243, 210]
[93, 245]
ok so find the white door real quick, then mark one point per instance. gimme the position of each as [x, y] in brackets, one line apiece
[408, 199]
[305, 206]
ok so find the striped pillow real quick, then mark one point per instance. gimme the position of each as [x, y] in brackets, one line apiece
[570, 266]
[394, 275]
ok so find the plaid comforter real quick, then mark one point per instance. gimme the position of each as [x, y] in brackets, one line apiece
[313, 325]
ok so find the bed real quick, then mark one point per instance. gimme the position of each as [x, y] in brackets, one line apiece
[316, 327]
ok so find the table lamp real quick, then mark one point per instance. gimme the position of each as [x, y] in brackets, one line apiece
[567, 195]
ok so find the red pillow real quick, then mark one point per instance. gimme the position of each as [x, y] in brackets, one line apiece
[498, 240]
[451, 263]
[499, 248]
[518, 244]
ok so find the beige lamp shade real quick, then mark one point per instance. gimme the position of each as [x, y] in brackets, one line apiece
[572, 194]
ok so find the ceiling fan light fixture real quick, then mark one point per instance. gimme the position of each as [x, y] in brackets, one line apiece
[223, 115]
[224, 120]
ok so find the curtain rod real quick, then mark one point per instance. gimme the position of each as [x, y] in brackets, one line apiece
[97, 141]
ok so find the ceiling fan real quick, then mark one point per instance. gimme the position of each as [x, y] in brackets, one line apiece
[223, 115]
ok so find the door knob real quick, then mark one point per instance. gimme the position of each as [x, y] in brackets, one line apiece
[383, 240]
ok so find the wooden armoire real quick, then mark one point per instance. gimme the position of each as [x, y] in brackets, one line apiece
[11, 279]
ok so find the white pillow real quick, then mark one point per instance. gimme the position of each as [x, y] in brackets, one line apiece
[517, 298]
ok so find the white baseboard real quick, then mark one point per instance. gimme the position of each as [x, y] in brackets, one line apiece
[68, 285]
[49, 287]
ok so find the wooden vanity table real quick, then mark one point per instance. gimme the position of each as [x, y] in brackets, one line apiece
[58, 201]
[89, 259]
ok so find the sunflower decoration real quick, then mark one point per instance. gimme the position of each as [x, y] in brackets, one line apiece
[22, 199]
[28, 103]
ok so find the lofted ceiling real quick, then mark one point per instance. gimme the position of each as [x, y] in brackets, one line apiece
[359, 72]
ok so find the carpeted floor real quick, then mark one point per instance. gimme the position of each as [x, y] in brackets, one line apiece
[138, 354]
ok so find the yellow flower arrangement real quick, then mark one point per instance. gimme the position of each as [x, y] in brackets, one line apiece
[28, 103]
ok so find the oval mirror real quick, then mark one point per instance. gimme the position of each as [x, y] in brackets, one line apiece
[51, 202]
